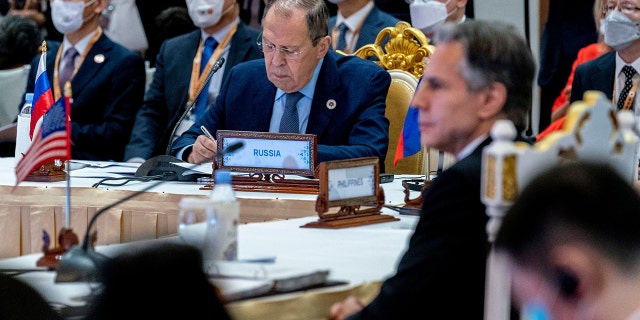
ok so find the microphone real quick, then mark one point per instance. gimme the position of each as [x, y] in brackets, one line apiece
[81, 263]
[192, 104]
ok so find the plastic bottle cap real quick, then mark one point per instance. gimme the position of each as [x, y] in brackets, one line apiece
[223, 176]
[28, 97]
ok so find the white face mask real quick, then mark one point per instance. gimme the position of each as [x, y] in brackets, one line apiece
[619, 31]
[205, 13]
[427, 15]
[67, 16]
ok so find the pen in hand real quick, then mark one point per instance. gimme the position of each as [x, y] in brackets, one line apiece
[207, 133]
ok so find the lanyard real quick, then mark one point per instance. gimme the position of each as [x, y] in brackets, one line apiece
[57, 91]
[630, 100]
[198, 81]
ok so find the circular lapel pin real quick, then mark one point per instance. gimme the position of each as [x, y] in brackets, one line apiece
[98, 58]
[331, 104]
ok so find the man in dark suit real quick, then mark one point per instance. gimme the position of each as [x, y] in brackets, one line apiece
[461, 95]
[172, 86]
[341, 98]
[363, 21]
[605, 73]
[107, 81]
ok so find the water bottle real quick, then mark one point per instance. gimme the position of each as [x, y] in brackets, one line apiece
[23, 142]
[222, 223]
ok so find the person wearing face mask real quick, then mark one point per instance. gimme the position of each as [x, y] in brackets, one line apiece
[573, 246]
[356, 24]
[427, 15]
[107, 80]
[181, 71]
[615, 73]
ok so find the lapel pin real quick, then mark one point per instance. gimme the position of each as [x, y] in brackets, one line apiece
[98, 58]
[331, 104]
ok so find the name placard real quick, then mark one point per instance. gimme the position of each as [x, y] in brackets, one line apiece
[349, 182]
[350, 194]
[268, 152]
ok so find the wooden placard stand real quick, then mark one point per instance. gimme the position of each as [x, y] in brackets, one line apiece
[268, 178]
[350, 185]
[48, 172]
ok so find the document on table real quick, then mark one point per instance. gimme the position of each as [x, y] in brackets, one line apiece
[240, 280]
[102, 169]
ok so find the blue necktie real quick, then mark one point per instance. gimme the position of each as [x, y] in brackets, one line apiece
[201, 105]
[342, 37]
[289, 122]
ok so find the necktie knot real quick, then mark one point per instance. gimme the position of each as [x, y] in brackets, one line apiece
[628, 72]
[289, 121]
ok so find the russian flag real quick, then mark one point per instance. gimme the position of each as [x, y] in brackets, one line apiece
[42, 94]
[52, 139]
[409, 141]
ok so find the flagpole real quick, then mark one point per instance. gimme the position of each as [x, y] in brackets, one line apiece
[67, 212]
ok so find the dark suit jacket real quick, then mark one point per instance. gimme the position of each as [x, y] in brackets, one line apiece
[168, 93]
[597, 74]
[355, 128]
[106, 96]
[373, 23]
[446, 257]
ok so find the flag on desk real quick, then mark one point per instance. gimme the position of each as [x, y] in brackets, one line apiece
[42, 94]
[409, 141]
[52, 138]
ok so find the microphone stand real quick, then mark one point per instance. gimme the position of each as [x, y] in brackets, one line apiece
[191, 104]
[80, 263]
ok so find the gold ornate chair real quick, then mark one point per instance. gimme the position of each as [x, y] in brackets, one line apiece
[403, 51]
[592, 132]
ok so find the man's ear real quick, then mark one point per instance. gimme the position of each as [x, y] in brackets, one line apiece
[323, 46]
[494, 98]
[578, 274]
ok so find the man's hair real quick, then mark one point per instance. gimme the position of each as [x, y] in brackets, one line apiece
[495, 52]
[582, 203]
[20, 41]
[317, 15]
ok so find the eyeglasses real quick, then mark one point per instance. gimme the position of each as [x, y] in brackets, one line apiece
[270, 48]
[626, 8]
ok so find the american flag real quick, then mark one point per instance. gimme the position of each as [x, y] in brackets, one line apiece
[52, 138]
[42, 94]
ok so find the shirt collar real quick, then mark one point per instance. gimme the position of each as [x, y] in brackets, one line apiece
[219, 35]
[80, 46]
[354, 21]
[468, 149]
[620, 64]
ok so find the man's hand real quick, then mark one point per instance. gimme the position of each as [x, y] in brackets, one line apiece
[203, 150]
[349, 306]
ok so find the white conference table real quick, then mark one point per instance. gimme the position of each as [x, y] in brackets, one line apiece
[358, 256]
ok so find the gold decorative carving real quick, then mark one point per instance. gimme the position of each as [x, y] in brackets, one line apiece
[407, 49]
